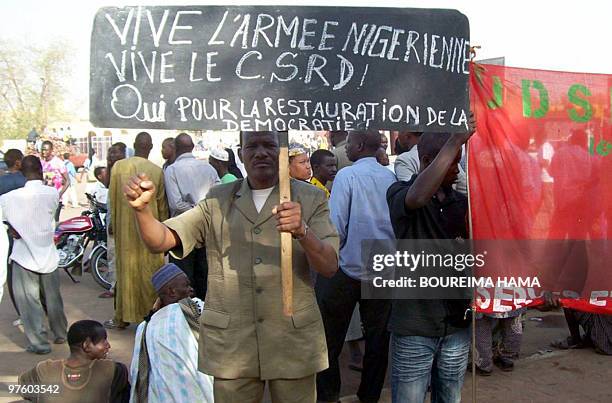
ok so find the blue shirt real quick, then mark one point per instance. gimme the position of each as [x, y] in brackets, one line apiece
[358, 207]
[71, 171]
[187, 181]
[11, 181]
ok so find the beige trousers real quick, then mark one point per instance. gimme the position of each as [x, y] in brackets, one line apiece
[251, 390]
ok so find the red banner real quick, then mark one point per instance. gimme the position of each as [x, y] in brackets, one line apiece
[540, 188]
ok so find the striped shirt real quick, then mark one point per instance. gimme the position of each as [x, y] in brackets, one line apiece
[31, 211]
[173, 354]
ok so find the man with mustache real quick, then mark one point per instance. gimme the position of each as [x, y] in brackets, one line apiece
[245, 340]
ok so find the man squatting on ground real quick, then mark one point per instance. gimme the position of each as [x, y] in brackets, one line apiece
[166, 345]
[86, 375]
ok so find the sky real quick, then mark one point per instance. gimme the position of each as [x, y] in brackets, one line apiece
[564, 36]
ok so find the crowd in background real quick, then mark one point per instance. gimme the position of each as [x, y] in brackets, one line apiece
[348, 193]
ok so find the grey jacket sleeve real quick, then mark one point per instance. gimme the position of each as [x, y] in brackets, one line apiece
[461, 184]
[406, 166]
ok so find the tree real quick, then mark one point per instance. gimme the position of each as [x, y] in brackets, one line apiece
[31, 86]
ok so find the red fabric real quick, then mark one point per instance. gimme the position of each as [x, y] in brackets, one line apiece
[521, 116]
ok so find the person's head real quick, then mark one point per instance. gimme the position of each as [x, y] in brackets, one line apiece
[31, 168]
[407, 140]
[384, 142]
[260, 156]
[101, 174]
[121, 147]
[171, 284]
[46, 150]
[66, 156]
[183, 143]
[116, 152]
[219, 159]
[429, 147]
[168, 150]
[12, 159]
[299, 163]
[324, 165]
[382, 157]
[88, 337]
[232, 167]
[143, 144]
[337, 136]
[361, 144]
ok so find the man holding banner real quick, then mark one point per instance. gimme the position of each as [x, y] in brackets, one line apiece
[245, 340]
[338, 80]
[430, 337]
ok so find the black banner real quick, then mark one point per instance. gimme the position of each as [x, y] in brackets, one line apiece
[279, 68]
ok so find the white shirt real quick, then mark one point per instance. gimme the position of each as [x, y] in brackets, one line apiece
[31, 211]
[260, 196]
[98, 191]
[547, 151]
[173, 355]
[187, 181]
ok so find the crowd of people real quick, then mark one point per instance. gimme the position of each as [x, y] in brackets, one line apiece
[194, 252]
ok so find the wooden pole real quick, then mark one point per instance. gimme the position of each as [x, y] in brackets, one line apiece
[474, 398]
[471, 235]
[286, 240]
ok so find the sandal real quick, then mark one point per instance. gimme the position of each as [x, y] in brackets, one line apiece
[355, 367]
[567, 344]
[36, 350]
[479, 371]
[112, 324]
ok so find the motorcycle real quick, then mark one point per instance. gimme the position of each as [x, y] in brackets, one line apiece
[72, 238]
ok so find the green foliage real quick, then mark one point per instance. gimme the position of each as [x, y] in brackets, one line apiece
[31, 86]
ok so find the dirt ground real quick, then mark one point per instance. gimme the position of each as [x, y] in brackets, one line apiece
[540, 375]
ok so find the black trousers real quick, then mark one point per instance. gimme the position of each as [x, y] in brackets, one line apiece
[195, 267]
[9, 274]
[58, 212]
[337, 297]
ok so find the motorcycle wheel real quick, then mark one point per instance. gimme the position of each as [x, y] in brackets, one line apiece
[99, 268]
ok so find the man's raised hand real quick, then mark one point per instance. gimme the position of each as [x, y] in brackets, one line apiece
[465, 136]
[139, 191]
